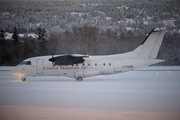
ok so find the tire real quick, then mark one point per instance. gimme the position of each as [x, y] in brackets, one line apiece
[23, 79]
[79, 78]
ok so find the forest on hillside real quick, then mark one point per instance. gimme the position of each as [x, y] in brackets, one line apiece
[86, 27]
[119, 15]
[82, 40]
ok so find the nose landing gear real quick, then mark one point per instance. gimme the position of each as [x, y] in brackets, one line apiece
[23, 79]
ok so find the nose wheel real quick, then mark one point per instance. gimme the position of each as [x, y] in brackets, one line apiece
[23, 79]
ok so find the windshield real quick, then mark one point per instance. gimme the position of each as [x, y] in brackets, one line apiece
[25, 63]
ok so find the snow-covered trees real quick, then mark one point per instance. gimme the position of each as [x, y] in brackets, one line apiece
[58, 16]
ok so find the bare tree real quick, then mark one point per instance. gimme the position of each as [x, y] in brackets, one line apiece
[42, 41]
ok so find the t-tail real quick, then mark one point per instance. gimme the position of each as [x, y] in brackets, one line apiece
[151, 45]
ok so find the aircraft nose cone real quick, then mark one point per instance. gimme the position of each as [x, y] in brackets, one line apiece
[13, 71]
[16, 71]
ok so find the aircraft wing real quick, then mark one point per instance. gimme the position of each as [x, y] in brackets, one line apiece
[68, 59]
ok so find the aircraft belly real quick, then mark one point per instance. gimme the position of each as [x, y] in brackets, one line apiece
[77, 73]
[91, 73]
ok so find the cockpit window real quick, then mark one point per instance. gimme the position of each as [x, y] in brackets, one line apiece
[28, 63]
[25, 63]
[22, 63]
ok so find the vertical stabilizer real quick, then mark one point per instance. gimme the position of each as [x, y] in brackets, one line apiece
[150, 47]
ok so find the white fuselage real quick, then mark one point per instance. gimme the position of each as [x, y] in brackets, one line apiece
[93, 65]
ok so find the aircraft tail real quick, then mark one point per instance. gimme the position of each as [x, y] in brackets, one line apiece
[151, 45]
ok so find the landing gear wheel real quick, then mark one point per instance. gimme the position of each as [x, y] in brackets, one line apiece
[79, 78]
[23, 79]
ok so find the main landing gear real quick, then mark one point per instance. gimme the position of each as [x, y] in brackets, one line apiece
[79, 78]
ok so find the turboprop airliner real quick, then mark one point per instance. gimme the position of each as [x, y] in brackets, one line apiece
[79, 66]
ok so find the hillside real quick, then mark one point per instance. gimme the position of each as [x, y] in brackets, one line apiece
[87, 26]
[138, 16]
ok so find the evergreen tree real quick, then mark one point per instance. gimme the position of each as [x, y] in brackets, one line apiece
[15, 37]
[2, 46]
[16, 46]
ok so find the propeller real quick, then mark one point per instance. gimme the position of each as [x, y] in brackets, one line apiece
[53, 62]
[52, 59]
[67, 59]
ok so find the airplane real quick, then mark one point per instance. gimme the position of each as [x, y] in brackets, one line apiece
[79, 66]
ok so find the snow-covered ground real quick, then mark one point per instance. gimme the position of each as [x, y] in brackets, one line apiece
[9, 35]
[154, 89]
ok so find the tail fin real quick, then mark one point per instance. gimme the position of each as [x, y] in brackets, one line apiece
[150, 47]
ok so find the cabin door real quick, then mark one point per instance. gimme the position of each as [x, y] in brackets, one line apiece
[39, 64]
[117, 66]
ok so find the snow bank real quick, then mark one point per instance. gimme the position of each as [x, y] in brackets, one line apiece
[6, 68]
[9, 35]
[159, 68]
